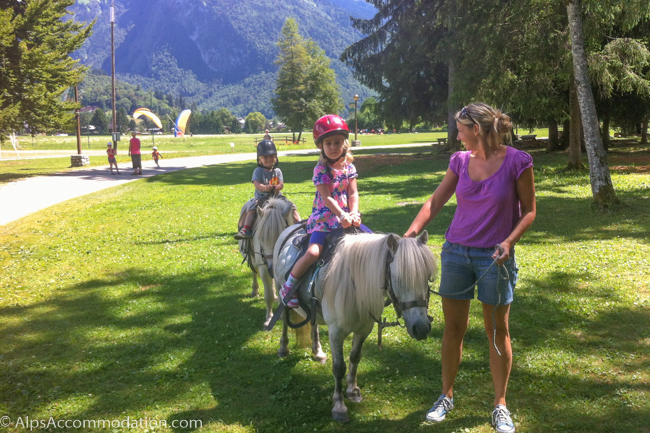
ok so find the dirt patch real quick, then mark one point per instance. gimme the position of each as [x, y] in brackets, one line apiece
[151, 286]
[630, 164]
[365, 162]
[407, 203]
[631, 168]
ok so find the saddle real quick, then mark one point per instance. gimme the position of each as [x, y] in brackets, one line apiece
[331, 241]
[307, 291]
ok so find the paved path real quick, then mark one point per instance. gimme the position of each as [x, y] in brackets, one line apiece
[40, 154]
[23, 197]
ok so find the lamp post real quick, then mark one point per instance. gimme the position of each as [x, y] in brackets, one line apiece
[356, 142]
[114, 129]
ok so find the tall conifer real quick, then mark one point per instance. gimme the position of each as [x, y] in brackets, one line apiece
[35, 64]
[306, 87]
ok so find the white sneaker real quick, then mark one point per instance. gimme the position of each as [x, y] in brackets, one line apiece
[501, 420]
[440, 408]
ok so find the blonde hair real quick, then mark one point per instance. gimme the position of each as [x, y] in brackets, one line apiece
[346, 148]
[357, 274]
[493, 124]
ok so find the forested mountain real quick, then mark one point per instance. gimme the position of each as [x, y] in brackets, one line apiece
[216, 53]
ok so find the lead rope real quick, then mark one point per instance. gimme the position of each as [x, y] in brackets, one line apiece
[500, 268]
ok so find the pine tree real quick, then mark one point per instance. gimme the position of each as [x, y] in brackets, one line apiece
[35, 63]
[306, 87]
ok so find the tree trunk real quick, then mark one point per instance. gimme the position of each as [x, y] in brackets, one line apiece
[566, 134]
[299, 135]
[644, 131]
[453, 144]
[575, 135]
[553, 137]
[602, 188]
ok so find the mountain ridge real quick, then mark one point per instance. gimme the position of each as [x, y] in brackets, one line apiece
[202, 48]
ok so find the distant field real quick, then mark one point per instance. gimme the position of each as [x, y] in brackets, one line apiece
[220, 143]
[11, 170]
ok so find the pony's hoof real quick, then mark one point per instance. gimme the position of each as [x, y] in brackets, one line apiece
[254, 294]
[321, 358]
[354, 395]
[340, 416]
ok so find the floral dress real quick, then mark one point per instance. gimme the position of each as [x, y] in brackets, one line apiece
[322, 219]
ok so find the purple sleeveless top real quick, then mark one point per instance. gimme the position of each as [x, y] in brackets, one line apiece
[488, 210]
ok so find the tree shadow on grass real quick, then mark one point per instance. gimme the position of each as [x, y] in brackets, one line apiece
[567, 219]
[295, 393]
[233, 174]
[122, 351]
[181, 341]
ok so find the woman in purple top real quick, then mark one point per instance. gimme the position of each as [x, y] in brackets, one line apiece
[495, 194]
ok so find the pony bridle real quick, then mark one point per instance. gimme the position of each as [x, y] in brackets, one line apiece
[398, 305]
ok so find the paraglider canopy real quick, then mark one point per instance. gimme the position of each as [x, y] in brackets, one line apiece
[147, 113]
[181, 123]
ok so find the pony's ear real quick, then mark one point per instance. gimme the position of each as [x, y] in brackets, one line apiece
[423, 238]
[392, 241]
[260, 212]
[286, 210]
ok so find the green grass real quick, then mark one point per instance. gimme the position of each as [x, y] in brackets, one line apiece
[11, 170]
[133, 302]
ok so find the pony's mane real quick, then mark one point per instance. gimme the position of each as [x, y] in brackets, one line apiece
[357, 272]
[356, 275]
[417, 258]
[272, 219]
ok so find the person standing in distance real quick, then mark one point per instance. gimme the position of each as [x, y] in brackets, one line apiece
[495, 194]
[134, 153]
[111, 157]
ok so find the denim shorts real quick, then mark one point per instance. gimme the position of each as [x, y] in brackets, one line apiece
[462, 266]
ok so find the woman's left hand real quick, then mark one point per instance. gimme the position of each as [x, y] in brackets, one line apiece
[505, 253]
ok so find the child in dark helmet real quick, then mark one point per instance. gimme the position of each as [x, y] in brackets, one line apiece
[337, 199]
[267, 179]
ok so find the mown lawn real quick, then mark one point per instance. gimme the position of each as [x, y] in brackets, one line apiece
[132, 302]
[170, 147]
